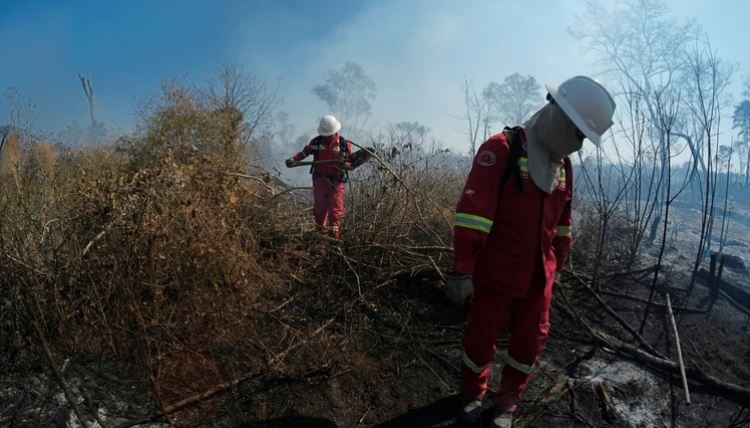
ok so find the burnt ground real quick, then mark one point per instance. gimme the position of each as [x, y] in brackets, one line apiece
[411, 373]
[391, 359]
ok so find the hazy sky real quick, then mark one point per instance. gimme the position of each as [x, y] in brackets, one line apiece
[417, 52]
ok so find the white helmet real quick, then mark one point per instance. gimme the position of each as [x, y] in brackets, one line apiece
[328, 126]
[587, 104]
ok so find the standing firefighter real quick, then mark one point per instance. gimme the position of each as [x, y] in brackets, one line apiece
[329, 170]
[512, 233]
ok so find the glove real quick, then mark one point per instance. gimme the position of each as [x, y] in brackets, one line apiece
[458, 289]
[290, 163]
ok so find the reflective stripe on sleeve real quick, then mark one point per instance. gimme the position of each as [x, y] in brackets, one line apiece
[471, 221]
[564, 231]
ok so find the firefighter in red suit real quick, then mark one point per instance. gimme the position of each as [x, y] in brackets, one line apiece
[512, 233]
[329, 177]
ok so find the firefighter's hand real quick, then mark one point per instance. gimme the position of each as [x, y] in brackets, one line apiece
[458, 289]
[290, 163]
[341, 165]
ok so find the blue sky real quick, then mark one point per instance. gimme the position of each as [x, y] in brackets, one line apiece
[418, 52]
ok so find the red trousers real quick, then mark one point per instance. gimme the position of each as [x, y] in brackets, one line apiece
[328, 206]
[529, 319]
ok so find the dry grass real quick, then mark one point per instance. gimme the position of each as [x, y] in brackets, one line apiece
[150, 255]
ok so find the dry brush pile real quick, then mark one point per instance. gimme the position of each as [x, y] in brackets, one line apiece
[164, 255]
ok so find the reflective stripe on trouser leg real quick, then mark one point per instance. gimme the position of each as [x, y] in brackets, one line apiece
[529, 331]
[472, 365]
[521, 367]
[487, 316]
[336, 208]
[320, 201]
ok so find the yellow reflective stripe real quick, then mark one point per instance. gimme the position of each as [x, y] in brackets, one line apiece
[561, 174]
[471, 365]
[523, 164]
[471, 221]
[523, 368]
[335, 228]
[566, 231]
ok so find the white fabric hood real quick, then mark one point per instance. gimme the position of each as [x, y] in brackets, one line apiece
[550, 137]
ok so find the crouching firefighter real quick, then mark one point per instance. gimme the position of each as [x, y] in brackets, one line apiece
[329, 173]
[512, 233]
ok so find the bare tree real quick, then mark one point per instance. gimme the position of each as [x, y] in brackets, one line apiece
[88, 90]
[513, 100]
[741, 122]
[348, 93]
[21, 111]
[639, 48]
[477, 117]
[646, 162]
[251, 99]
[605, 187]
[667, 112]
[706, 80]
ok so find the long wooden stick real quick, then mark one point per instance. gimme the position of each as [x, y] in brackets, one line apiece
[679, 350]
[318, 162]
[51, 361]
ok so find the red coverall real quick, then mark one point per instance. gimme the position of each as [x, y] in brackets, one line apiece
[328, 181]
[512, 244]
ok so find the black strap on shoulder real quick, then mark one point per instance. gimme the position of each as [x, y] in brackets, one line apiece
[344, 148]
[315, 140]
[343, 145]
[514, 154]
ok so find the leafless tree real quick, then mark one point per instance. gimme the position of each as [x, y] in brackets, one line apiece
[741, 122]
[606, 187]
[511, 101]
[88, 90]
[638, 47]
[348, 93]
[667, 112]
[706, 80]
[234, 89]
[477, 117]
[21, 111]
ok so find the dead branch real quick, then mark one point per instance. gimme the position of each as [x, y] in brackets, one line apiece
[679, 349]
[696, 376]
[656, 305]
[289, 190]
[438, 248]
[617, 317]
[251, 177]
[207, 393]
[280, 356]
[93, 241]
[398, 178]
[32, 310]
[642, 271]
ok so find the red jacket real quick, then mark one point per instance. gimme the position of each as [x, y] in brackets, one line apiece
[505, 238]
[325, 151]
